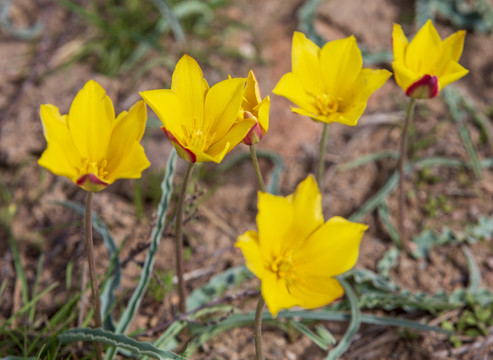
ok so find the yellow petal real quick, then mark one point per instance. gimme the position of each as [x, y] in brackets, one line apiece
[332, 249]
[56, 131]
[304, 55]
[308, 216]
[131, 165]
[292, 89]
[452, 72]
[274, 220]
[350, 115]
[232, 138]
[341, 63]
[54, 160]
[167, 106]
[276, 294]
[404, 77]
[354, 104]
[189, 84]
[124, 156]
[315, 116]
[424, 50]
[308, 71]
[222, 105]
[252, 95]
[263, 114]
[399, 43]
[249, 246]
[367, 82]
[313, 292]
[453, 46]
[90, 121]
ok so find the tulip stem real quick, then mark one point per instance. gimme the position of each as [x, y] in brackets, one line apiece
[257, 169]
[92, 269]
[258, 328]
[402, 164]
[179, 241]
[321, 159]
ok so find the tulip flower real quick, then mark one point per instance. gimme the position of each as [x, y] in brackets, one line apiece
[253, 107]
[427, 64]
[329, 84]
[89, 145]
[295, 254]
[201, 122]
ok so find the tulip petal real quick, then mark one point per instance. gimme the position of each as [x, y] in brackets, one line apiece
[404, 77]
[249, 245]
[313, 292]
[342, 62]
[56, 131]
[90, 121]
[252, 92]
[453, 71]
[53, 159]
[354, 105]
[229, 140]
[189, 83]
[222, 105]
[453, 46]
[425, 88]
[126, 135]
[312, 115]
[276, 294]
[167, 106]
[424, 50]
[399, 43]
[292, 89]
[305, 61]
[274, 219]
[131, 165]
[367, 82]
[351, 114]
[307, 203]
[263, 114]
[332, 249]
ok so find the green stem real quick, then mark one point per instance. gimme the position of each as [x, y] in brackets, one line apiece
[321, 159]
[257, 169]
[92, 269]
[258, 328]
[179, 242]
[402, 164]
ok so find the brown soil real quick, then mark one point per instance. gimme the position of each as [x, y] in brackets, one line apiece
[31, 75]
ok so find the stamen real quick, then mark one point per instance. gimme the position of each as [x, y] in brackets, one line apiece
[325, 105]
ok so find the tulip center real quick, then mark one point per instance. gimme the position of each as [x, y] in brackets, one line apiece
[326, 105]
[97, 168]
[282, 266]
[198, 139]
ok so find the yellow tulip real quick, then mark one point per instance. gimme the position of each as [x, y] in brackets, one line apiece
[90, 146]
[254, 107]
[201, 122]
[427, 64]
[295, 254]
[329, 84]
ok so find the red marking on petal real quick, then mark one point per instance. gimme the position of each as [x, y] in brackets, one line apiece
[425, 88]
[254, 135]
[91, 178]
[90, 182]
[182, 151]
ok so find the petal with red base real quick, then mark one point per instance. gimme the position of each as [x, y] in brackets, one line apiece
[180, 149]
[90, 182]
[425, 88]
[254, 135]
